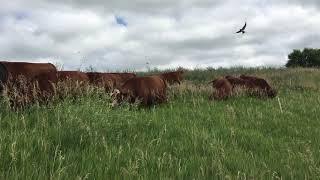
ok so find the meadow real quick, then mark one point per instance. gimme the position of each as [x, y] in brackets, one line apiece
[190, 137]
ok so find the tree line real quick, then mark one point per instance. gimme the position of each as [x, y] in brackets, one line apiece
[308, 57]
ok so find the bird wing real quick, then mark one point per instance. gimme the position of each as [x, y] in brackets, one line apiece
[244, 27]
[239, 31]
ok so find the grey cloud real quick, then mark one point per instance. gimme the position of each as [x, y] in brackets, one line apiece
[138, 6]
[166, 33]
[306, 3]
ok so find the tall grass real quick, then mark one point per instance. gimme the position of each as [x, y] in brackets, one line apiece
[189, 137]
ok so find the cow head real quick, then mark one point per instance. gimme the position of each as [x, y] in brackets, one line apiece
[119, 96]
[272, 93]
[114, 97]
[114, 93]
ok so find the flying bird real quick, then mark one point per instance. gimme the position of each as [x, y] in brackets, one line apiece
[242, 29]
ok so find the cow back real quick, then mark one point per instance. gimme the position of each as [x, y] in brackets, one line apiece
[258, 82]
[121, 78]
[172, 77]
[235, 81]
[109, 80]
[73, 76]
[29, 70]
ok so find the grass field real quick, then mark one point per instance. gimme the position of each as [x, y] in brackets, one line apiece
[189, 137]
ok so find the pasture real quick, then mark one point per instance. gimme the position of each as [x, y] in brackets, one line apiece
[84, 137]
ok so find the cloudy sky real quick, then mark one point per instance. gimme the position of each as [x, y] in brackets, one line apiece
[114, 35]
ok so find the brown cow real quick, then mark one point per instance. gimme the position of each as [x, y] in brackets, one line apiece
[109, 80]
[14, 69]
[23, 77]
[260, 85]
[149, 90]
[73, 76]
[31, 71]
[173, 77]
[223, 89]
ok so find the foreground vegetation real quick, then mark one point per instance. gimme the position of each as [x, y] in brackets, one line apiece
[189, 137]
